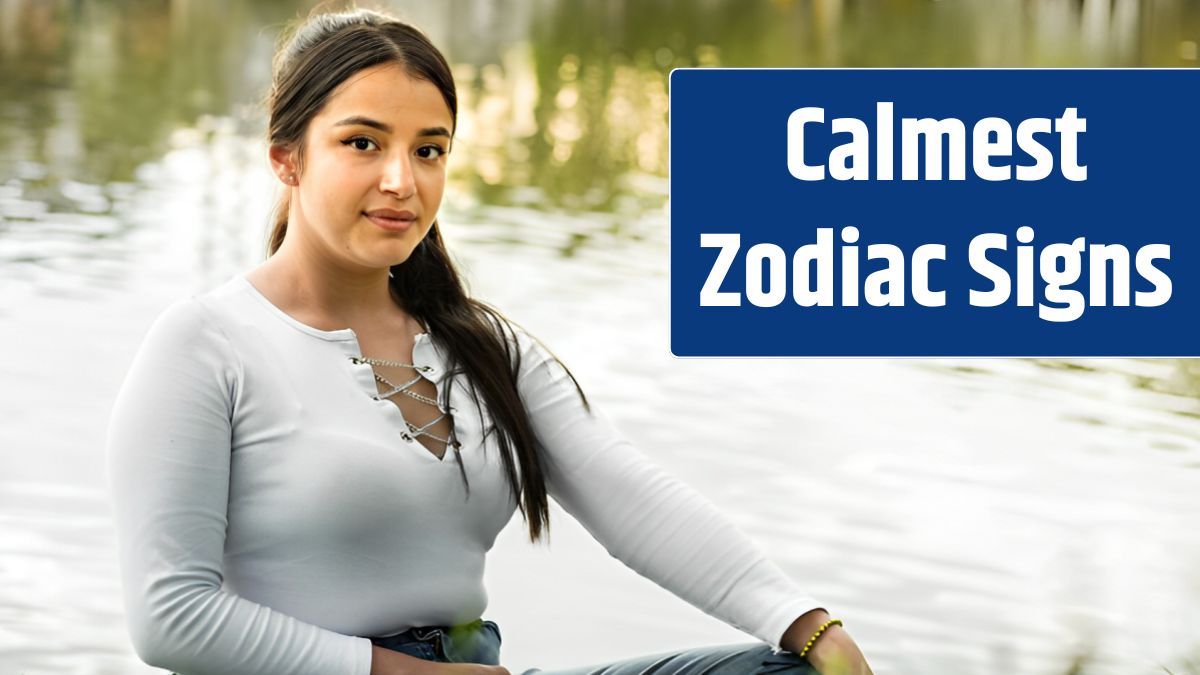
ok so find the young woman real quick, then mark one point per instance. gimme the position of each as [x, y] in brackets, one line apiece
[309, 462]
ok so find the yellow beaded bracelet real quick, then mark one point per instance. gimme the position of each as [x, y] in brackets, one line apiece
[813, 640]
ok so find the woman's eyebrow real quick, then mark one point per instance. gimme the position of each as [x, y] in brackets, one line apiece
[359, 120]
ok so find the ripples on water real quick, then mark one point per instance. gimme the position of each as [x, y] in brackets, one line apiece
[969, 516]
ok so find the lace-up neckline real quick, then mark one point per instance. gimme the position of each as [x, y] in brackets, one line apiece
[414, 431]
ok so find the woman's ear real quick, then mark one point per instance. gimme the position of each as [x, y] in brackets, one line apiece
[284, 164]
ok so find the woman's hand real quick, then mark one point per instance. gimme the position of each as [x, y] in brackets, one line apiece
[391, 662]
[834, 653]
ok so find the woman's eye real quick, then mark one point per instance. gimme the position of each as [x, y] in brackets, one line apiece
[359, 142]
[430, 151]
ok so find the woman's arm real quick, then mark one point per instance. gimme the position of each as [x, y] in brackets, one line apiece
[834, 652]
[652, 522]
[168, 453]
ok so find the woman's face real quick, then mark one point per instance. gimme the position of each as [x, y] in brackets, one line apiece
[374, 168]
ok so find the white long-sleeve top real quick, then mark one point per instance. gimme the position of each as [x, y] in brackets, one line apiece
[269, 511]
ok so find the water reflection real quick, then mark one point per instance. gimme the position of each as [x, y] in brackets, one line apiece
[976, 516]
[565, 103]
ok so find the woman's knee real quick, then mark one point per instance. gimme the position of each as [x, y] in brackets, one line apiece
[742, 659]
[732, 659]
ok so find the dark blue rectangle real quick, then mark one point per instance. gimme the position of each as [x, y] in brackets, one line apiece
[1141, 148]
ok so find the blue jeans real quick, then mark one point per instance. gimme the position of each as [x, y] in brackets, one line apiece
[475, 642]
[479, 642]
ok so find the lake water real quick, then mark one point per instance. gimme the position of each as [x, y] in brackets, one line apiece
[965, 517]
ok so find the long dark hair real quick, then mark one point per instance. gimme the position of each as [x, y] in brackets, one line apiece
[315, 58]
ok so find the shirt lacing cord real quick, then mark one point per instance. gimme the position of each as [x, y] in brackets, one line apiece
[413, 430]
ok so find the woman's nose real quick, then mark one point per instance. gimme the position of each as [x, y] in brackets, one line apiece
[398, 178]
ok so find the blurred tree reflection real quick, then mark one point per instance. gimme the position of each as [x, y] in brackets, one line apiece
[564, 102]
[92, 90]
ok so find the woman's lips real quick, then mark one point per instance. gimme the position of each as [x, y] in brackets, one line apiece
[392, 223]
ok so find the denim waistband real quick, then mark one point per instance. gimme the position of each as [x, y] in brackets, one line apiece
[475, 642]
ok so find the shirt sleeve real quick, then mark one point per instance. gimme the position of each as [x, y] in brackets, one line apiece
[168, 458]
[649, 520]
